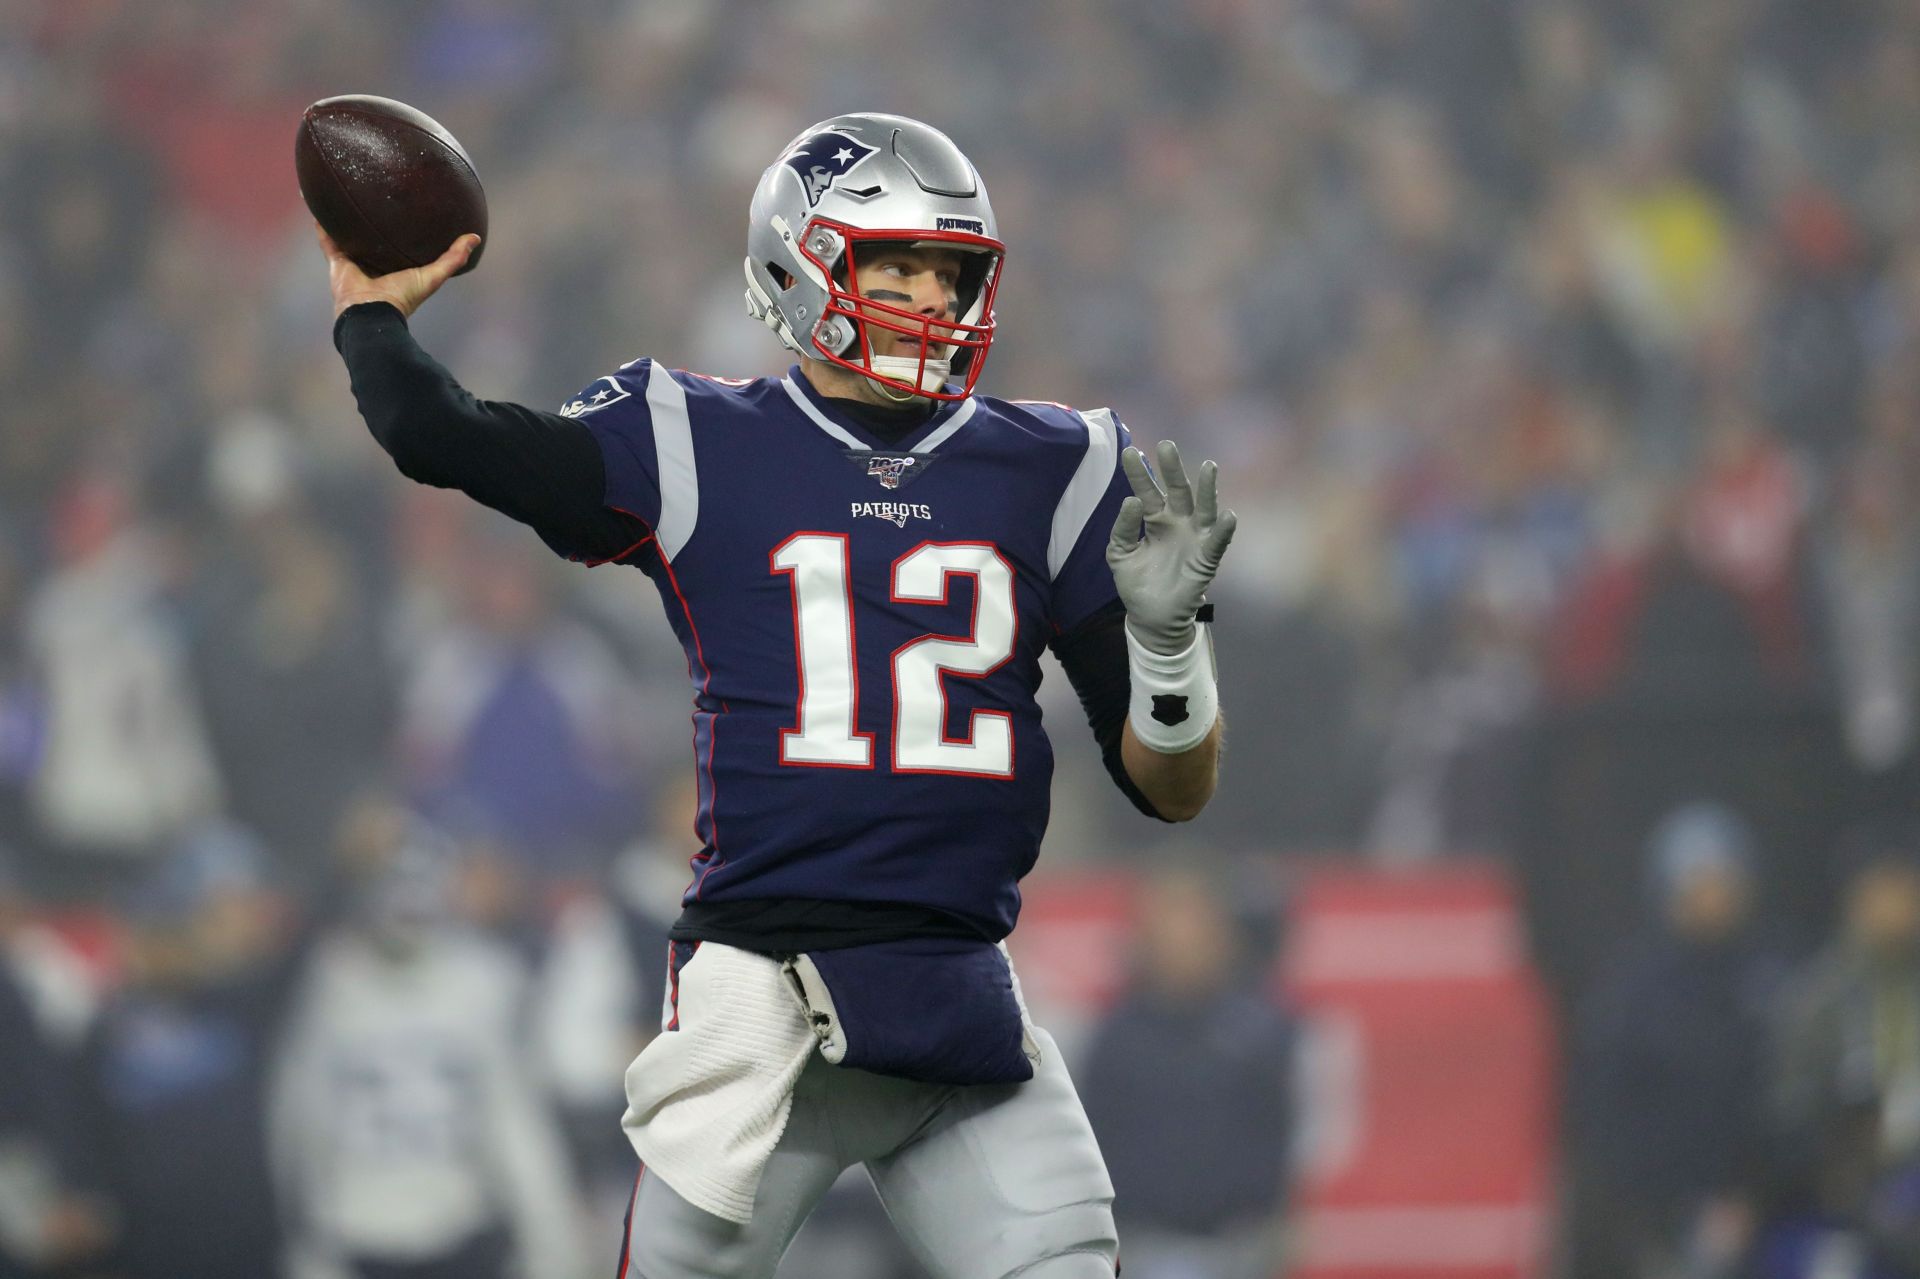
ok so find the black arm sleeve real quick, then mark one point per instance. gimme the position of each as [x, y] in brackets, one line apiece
[539, 468]
[1094, 655]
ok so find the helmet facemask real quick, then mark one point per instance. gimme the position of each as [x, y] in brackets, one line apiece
[948, 346]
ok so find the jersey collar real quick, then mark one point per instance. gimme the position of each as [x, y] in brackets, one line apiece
[819, 410]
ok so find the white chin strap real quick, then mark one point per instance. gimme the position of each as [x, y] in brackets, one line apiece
[933, 374]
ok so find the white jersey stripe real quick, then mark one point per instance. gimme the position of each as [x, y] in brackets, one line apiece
[933, 441]
[820, 419]
[1085, 489]
[673, 452]
[947, 428]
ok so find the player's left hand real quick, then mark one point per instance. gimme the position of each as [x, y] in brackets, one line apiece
[1163, 575]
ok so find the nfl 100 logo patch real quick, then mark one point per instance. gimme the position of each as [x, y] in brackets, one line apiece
[889, 470]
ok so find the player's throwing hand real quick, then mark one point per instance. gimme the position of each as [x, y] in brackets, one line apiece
[1163, 576]
[405, 290]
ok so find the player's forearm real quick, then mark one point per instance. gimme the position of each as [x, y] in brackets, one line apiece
[1178, 785]
[539, 468]
[413, 407]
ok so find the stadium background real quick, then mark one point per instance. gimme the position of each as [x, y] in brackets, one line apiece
[1560, 359]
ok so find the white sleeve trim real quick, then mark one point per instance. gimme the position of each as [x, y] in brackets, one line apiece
[1085, 489]
[673, 454]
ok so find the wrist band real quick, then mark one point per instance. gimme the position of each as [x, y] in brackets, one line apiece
[1175, 699]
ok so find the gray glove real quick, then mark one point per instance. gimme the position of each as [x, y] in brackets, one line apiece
[1163, 577]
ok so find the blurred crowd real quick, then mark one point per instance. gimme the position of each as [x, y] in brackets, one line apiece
[1563, 362]
[1733, 1112]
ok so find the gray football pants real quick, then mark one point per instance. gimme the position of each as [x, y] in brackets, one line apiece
[984, 1182]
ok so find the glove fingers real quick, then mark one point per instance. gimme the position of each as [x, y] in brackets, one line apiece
[1206, 495]
[1218, 537]
[1174, 476]
[1127, 526]
[1135, 465]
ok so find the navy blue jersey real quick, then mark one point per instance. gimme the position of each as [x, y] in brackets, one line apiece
[863, 625]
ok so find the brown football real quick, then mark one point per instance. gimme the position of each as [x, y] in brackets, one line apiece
[391, 186]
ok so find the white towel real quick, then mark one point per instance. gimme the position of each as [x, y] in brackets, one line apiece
[706, 1103]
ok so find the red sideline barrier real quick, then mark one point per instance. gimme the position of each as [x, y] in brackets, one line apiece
[1429, 1064]
[1430, 1077]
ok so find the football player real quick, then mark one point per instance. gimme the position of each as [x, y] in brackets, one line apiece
[863, 560]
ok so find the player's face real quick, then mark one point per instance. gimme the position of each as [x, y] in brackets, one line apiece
[1884, 909]
[921, 280]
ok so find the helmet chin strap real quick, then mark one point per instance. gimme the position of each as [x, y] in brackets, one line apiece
[898, 397]
[905, 370]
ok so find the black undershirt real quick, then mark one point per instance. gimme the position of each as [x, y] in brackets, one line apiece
[546, 471]
[889, 422]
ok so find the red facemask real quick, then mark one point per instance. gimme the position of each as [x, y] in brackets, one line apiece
[963, 343]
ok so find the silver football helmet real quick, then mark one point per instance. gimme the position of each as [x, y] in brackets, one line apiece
[853, 181]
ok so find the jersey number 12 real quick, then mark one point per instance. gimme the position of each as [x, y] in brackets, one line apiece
[826, 734]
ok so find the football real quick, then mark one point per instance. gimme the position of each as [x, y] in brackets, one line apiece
[388, 183]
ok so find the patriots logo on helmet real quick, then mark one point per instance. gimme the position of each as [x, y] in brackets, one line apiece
[823, 159]
[888, 470]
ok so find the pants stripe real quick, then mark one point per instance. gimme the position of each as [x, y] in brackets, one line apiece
[626, 1230]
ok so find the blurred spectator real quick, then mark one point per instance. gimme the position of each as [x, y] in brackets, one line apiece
[80, 192]
[409, 1139]
[51, 970]
[1847, 1081]
[1710, 615]
[46, 1221]
[603, 985]
[1666, 1103]
[1808, 364]
[1870, 575]
[1657, 631]
[212, 106]
[287, 654]
[517, 723]
[174, 1072]
[1742, 523]
[1189, 1083]
[1451, 777]
[123, 765]
[19, 704]
[1663, 238]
